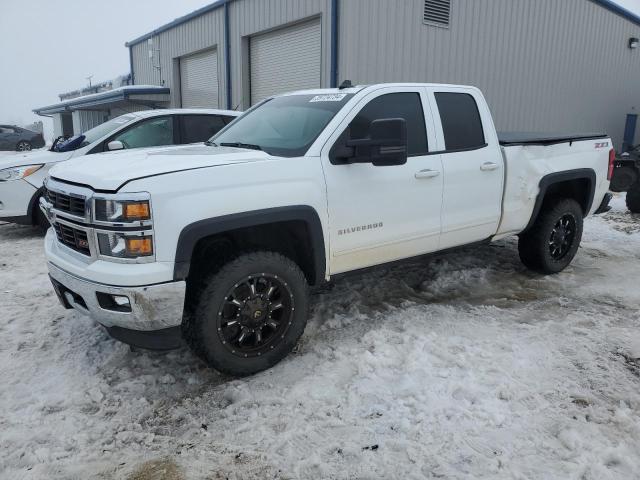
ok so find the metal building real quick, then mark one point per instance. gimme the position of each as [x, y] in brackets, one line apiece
[544, 65]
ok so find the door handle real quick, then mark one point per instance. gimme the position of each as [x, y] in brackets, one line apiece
[427, 174]
[488, 166]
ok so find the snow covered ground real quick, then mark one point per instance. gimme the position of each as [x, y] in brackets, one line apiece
[462, 366]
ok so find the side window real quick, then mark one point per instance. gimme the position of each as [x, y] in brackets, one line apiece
[394, 105]
[461, 121]
[148, 133]
[200, 128]
[228, 120]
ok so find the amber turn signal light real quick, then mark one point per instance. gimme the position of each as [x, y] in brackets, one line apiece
[137, 211]
[139, 246]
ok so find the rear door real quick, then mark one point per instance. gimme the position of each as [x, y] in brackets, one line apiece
[200, 128]
[472, 163]
[381, 214]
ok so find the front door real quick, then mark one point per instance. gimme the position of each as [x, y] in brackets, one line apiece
[381, 214]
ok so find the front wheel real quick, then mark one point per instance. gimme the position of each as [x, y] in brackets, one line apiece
[551, 243]
[250, 314]
[633, 199]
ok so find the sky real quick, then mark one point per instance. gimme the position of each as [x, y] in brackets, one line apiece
[52, 46]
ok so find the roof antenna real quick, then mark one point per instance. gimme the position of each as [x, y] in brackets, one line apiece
[345, 84]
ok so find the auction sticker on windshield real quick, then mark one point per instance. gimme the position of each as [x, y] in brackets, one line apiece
[335, 97]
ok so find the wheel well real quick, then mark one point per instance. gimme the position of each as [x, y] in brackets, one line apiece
[290, 238]
[575, 184]
[578, 189]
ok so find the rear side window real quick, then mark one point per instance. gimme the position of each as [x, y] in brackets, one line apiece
[200, 128]
[461, 122]
[394, 105]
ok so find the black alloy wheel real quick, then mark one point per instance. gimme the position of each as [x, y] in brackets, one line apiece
[562, 236]
[256, 313]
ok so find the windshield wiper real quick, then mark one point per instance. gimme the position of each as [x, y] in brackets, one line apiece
[209, 143]
[249, 146]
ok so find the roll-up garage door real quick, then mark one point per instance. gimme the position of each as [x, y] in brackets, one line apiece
[199, 80]
[285, 59]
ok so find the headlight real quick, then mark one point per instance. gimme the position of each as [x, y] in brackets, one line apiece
[119, 245]
[122, 211]
[16, 173]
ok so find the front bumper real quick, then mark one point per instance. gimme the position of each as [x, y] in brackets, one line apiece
[150, 308]
[15, 198]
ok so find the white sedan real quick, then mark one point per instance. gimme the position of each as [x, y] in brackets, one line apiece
[21, 176]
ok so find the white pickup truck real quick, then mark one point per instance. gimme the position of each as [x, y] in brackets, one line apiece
[218, 244]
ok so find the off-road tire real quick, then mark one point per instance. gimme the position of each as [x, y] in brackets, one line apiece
[534, 245]
[633, 199]
[200, 329]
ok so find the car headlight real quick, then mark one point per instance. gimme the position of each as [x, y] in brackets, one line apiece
[122, 211]
[16, 173]
[120, 245]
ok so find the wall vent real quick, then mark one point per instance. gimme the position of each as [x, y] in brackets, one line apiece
[437, 12]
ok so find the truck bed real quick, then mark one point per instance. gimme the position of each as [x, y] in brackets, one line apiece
[535, 138]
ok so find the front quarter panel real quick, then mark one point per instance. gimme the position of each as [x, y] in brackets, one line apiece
[183, 198]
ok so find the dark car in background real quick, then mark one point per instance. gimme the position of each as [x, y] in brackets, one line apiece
[19, 139]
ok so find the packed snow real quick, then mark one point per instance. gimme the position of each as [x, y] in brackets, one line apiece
[461, 366]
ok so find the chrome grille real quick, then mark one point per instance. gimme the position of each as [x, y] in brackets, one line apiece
[73, 238]
[66, 203]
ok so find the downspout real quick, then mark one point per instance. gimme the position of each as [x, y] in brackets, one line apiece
[131, 66]
[335, 17]
[227, 54]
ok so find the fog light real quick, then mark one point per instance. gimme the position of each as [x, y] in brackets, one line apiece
[121, 301]
[115, 303]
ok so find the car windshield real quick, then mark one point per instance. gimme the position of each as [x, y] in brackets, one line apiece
[95, 133]
[285, 126]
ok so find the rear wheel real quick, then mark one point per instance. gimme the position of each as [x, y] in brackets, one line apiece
[633, 199]
[551, 243]
[23, 146]
[250, 314]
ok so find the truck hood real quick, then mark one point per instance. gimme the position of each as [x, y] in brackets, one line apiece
[33, 158]
[109, 171]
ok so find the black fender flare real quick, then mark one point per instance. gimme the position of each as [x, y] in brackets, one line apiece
[194, 232]
[558, 177]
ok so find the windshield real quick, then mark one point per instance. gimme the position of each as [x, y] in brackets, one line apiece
[95, 133]
[284, 126]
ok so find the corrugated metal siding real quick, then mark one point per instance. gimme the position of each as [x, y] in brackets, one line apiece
[543, 65]
[201, 33]
[249, 17]
[285, 59]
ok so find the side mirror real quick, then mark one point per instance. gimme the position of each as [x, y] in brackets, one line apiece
[385, 146]
[115, 145]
